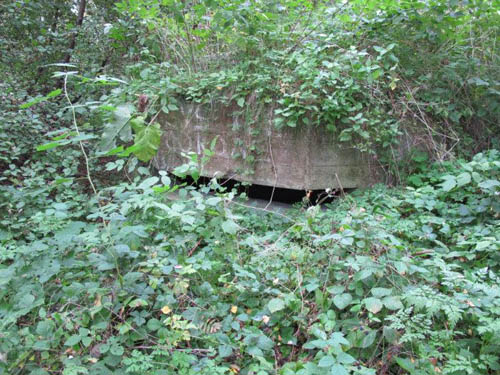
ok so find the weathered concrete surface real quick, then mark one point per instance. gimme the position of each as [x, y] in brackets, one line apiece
[305, 158]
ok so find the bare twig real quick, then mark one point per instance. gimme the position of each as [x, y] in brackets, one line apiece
[340, 184]
[261, 209]
[75, 124]
[274, 170]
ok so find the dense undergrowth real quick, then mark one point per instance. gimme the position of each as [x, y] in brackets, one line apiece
[109, 267]
[385, 281]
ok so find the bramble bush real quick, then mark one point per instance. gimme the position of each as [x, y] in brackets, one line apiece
[401, 280]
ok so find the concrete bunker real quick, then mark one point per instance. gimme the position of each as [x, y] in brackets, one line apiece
[256, 152]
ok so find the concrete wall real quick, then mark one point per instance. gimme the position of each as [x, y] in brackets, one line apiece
[305, 158]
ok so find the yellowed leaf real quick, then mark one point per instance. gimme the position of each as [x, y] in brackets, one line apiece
[234, 309]
[166, 310]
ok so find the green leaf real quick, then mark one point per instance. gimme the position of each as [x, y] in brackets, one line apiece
[154, 325]
[225, 351]
[338, 369]
[392, 303]
[31, 103]
[45, 328]
[230, 227]
[116, 349]
[54, 93]
[26, 301]
[255, 351]
[39, 371]
[148, 182]
[276, 304]
[381, 292]
[129, 150]
[463, 179]
[363, 274]
[319, 344]
[86, 341]
[481, 245]
[137, 124]
[345, 358]
[241, 102]
[265, 343]
[213, 201]
[147, 142]
[401, 267]
[337, 338]
[373, 305]
[336, 289]
[82, 137]
[48, 146]
[60, 181]
[118, 128]
[41, 345]
[449, 183]
[342, 300]
[114, 151]
[390, 334]
[327, 361]
[188, 219]
[166, 181]
[406, 364]
[488, 184]
[73, 369]
[369, 339]
[41, 99]
[72, 340]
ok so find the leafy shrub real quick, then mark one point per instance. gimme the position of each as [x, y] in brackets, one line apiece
[383, 281]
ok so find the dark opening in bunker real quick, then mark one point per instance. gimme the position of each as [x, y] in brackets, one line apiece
[274, 194]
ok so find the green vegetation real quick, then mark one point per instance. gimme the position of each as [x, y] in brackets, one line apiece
[110, 267]
[389, 280]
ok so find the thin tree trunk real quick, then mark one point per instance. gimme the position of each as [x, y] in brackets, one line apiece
[55, 20]
[79, 21]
